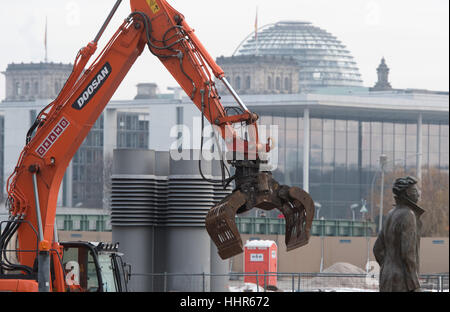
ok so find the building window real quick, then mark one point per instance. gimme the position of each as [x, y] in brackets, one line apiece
[87, 169]
[287, 86]
[237, 82]
[26, 90]
[269, 83]
[17, 90]
[132, 130]
[278, 83]
[247, 82]
[36, 87]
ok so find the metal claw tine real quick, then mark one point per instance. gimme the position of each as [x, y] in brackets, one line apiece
[299, 214]
[221, 225]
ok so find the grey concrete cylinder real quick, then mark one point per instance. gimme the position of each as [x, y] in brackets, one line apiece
[219, 267]
[133, 161]
[158, 210]
[188, 243]
[188, 252]
[135, 212]
[219, 271]
[137, 243]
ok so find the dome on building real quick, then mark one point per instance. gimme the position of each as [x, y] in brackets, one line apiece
[323, 60]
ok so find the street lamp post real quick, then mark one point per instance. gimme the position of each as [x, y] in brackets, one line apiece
[372, 183]
[317, 206]
[363, 209]
[321, 243]
[383, 161]
[353, 207]
[372, 201]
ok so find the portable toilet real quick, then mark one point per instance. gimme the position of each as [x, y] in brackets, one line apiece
[260, 256]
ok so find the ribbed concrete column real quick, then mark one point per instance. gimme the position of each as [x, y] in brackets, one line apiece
[162, 170]
[306, 148]
[134, 213]
[137, 243]
[219, 267]
[188, 243]
[158, 210]
[188, 252]
[419, 148]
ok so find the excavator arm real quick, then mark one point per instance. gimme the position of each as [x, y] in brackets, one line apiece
[62, 126]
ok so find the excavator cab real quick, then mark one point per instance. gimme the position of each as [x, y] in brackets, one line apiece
[94, 267]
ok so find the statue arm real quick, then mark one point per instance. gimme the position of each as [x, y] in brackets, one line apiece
[378, 249]
[408, 251]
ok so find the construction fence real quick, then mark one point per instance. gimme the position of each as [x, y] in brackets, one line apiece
[286, 282]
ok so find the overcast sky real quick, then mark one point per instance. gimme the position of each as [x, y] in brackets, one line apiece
[412, 35]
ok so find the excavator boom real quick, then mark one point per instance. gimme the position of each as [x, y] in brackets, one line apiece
[62, 126]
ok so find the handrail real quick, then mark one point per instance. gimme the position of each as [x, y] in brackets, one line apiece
[338, 227]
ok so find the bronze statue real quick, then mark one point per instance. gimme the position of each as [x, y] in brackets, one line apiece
[397, 246]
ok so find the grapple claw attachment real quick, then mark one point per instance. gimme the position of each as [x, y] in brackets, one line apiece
[256, 189]
[221, 225]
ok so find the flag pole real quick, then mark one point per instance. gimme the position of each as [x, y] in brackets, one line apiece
[45, 40]
[256, 31]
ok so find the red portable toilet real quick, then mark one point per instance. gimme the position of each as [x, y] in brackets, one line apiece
[260, 256]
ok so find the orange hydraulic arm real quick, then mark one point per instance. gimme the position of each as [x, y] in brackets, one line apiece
[63, 125]
[174, 42]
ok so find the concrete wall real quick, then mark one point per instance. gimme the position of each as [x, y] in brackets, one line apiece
[433, 256]
[70, 236]
[160, 136]
[434, 253]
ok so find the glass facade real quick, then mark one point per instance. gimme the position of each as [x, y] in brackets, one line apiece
[87, 170]
[132, 130]
[344, 155]
[88, 163]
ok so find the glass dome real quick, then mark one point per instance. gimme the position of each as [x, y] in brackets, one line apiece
[323, 60]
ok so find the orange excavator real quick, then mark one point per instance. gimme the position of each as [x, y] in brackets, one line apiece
[32, 258]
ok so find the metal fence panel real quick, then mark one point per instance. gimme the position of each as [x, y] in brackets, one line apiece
[286, 282]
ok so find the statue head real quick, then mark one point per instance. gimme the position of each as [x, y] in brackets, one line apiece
[406, 188]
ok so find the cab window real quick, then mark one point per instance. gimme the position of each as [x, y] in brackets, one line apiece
[107, 271]
[80, 269]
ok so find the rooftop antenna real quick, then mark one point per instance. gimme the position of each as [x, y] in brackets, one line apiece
[256, 31]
